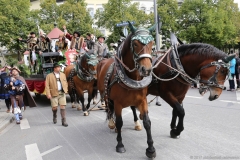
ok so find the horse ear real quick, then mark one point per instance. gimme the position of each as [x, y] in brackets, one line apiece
[151, 29]
[229, 58]
[132, 28]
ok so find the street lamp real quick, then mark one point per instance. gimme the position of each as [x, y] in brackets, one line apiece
[157, 28]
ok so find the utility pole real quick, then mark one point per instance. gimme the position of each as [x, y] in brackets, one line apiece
[156, 22]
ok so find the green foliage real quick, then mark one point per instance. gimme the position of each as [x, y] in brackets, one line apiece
[12, 61]
[71, 13]
[117, 12]
[209, 22]
[14, 21]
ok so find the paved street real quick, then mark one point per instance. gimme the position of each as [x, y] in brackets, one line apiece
[212, 131]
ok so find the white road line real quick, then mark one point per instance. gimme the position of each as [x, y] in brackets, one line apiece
[230, 101]
[24, 124]
[32, 152]
[50, 150]
[238, 95]
[194, 97]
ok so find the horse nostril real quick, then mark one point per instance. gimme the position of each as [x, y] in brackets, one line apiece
[143, 69]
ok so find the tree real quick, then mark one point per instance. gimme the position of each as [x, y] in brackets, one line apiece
[14, 22]
[71, 13]
[118, 11]
[168, 11]
[208, 21]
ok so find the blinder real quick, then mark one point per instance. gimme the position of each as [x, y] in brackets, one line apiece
[212, 81]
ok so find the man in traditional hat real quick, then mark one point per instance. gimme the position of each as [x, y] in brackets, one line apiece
[18, 89]
[32, 41]
[56, 88]
[100, 48]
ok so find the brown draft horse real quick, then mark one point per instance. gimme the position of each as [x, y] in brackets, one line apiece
[203, 63]
[80, 77]
[123, 81]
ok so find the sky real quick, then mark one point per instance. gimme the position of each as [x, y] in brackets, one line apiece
[237, 1]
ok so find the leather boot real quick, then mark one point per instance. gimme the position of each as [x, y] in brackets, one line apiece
[54, 116]
[63, 114]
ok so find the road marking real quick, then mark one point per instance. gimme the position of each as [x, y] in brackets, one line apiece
[50, 150]
[32, 152]
[24, 124]
[194, 97]
[230, 101]
[238, 96]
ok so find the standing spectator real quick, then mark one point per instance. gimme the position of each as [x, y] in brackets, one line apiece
[237, 71]
[90, 42]
[3, 92]
[232, 71]
[61, 45]
[56, 88]
[100, 48]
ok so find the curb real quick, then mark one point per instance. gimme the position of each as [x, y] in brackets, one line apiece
[6, 122]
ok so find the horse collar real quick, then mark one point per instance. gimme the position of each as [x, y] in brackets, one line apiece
[80, 72]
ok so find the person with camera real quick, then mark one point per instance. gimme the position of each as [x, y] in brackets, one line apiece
[15, 88]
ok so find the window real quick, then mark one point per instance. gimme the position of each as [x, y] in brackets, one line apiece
[100, 9]
[151, 10]
[91, 12]
[143, 9]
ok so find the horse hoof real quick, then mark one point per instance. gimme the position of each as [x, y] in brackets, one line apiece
[85, 113]
[79, 108]
[138, 128]
[120, 149]
[174, 135]
[73, 106]
[94, 102]
[111, 124]
[150, 154]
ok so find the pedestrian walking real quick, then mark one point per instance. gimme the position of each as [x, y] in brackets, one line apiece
[56, 88]
[3, 92]
[232, 71]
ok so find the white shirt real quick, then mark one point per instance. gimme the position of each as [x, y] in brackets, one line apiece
[58, 82]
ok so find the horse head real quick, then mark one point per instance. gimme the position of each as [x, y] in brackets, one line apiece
[141, 48]
[91, 62]
[218, 75]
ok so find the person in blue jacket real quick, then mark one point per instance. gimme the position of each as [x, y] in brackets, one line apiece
[231, 78]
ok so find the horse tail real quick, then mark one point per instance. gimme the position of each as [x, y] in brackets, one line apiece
[110, 109]
[95, 90]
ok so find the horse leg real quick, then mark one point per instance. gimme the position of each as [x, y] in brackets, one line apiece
[180, 113]
[138, 125]
[150, 151]
[174, 119]
[94, 95]
[119, 123]
[111, 122]
[90, 97]
[72, 96]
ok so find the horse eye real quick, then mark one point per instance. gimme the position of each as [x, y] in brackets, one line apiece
[134, 44]
[222, 71]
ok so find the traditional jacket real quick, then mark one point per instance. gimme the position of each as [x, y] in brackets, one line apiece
[51, 84]
[45, 46]
[27, 98]
[77, 43]
[99, 48]
[18, 84]
[32, 43]
[90, 44]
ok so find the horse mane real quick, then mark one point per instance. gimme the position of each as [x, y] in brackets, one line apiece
[126, 44]
[202, 49]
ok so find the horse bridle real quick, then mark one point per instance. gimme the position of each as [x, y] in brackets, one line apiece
[137, 56]
[212, 81]
[89, 71]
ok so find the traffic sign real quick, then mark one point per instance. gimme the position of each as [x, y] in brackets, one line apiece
[124, 24]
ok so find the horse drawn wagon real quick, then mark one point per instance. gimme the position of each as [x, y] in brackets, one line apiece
[36, 82]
